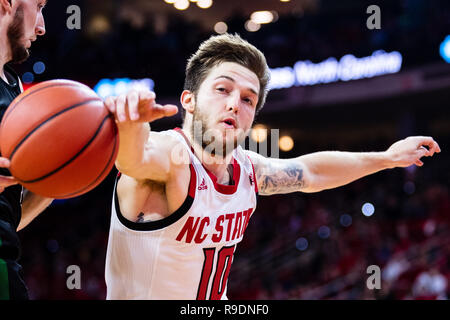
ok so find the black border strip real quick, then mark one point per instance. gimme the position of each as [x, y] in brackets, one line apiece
[152, 225]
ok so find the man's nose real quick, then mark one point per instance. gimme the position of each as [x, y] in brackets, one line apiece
[233, 104]
[40, 25]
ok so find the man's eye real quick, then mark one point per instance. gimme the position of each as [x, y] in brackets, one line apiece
[249, 101]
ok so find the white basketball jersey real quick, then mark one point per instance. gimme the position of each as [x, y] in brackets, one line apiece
[188, 254]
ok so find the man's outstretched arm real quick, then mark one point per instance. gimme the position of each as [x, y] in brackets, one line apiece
[330, 169]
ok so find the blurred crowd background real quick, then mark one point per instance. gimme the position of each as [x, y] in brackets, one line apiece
[297, 246]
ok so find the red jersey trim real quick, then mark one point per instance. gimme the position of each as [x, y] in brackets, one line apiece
[162, 223]
[221, 188]
[254, 175]
[224, 188]
[193, 182]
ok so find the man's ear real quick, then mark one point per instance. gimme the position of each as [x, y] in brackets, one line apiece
[187, 100]
[6, 6]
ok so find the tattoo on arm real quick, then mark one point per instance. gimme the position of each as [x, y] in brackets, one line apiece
[140, 218]
[275, 177]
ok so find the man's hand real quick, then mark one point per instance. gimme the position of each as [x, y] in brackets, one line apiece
[407, 152]
[4, 180]
[138, 106]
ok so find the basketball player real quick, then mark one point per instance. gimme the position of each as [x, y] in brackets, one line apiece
[21, 21]
[184, 199]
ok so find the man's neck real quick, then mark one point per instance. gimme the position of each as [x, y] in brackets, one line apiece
[215, 164]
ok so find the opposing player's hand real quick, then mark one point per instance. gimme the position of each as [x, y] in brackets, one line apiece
[409, 151]
[6, 181]
[138, 106]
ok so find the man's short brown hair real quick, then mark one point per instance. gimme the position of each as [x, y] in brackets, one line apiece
[227, 48]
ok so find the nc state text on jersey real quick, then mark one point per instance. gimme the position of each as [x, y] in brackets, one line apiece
[227, 227]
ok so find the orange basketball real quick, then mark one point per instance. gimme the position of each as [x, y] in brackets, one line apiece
[60, 138]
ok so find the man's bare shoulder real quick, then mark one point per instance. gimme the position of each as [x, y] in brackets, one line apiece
[163, 155]
[255, 158]
[164, 138]
[162, 186]
[166, 144]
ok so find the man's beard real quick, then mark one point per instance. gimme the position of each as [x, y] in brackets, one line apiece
[212, 140]
[15, 35]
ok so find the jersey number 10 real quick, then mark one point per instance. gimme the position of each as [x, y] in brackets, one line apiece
[220, 278]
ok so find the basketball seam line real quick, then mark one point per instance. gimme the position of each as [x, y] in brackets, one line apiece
[42, 123]
[31, 93]
[71, 159]
[98, 177]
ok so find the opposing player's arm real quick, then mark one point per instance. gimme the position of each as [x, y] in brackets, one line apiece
[32, 206]
[6, 181]
[143, 154]
[330, 169]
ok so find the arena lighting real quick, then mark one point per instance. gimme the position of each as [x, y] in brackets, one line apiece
[113, 87]
[39, 67]
[261, 17]
[220, 27]
[252, 26]
[345, 220]
[99, 24]
[368, 209]
[27, 77]
[286, 143]
[331, 70]
[444, 49]
[301, 244]
[324, 232]
[274, 15]
[204, 4]
[181, 4]
[170, 1]
[259, 133]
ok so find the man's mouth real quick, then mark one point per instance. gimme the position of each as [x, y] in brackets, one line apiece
[229, 123]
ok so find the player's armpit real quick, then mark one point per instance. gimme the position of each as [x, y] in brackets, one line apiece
[132, 195]
[279, 176]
